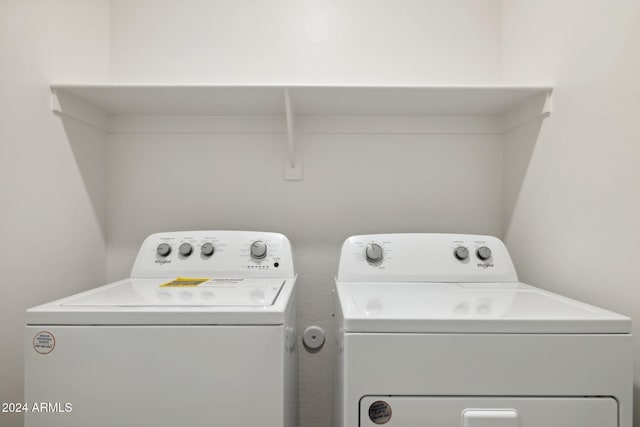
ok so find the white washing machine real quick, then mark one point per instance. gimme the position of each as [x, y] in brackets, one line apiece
[436, 330]
[202, 334]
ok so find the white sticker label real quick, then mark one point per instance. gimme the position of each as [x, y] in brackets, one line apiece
[44, 342]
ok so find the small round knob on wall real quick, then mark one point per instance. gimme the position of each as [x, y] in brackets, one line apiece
[313, 337]
[207, 249]
[163, 249]
[374, 253]
[185, 249]
[484, 253]
[258, 249]
[461, 253]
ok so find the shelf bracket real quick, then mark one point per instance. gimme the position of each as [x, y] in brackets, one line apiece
[538, 107]
[547, 109]
[66, 105]
[292, 152]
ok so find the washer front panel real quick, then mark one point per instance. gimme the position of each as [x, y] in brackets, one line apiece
[161, 376]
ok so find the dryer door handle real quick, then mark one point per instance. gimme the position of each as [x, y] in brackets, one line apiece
[490, 418]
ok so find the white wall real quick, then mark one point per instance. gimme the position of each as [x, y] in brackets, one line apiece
[574, 204]
[352, 183]
[308, 41]
[52, 177]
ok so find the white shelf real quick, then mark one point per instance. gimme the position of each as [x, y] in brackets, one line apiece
[130, 107]
[317, 100]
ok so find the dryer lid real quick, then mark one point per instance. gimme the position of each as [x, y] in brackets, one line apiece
[469, 308]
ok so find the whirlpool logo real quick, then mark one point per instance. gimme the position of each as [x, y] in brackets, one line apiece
[163, 261]
[485, 265]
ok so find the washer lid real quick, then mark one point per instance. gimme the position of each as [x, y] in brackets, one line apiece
[469, 307]
[181, 292]
[170, 301]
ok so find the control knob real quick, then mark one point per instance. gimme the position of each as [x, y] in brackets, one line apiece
[207, 249]
[374, 253]
[461, 253]
[258, 249]
[484, 253]
[185, 249]
[163, 249]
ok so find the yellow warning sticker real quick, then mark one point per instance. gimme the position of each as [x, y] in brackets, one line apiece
[184, 282]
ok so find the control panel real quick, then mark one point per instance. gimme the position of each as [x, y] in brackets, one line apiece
[428, 257]
[217, 254]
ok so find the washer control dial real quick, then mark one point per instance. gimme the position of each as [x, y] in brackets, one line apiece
[185, 249]
[461, 253]
[258, 249]
[163, 249]
[207, 249]
[374, 253]
[484, 253]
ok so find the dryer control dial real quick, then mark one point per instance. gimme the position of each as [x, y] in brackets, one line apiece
[207, 249]
[185, 249]
[258, 249]
[163, 249]
[484, 253]
[461, 253]
[374, 253]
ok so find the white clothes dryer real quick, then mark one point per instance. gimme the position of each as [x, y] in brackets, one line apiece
[436, 330]
[201, 334]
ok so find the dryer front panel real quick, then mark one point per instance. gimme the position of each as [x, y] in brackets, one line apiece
[404, 411]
